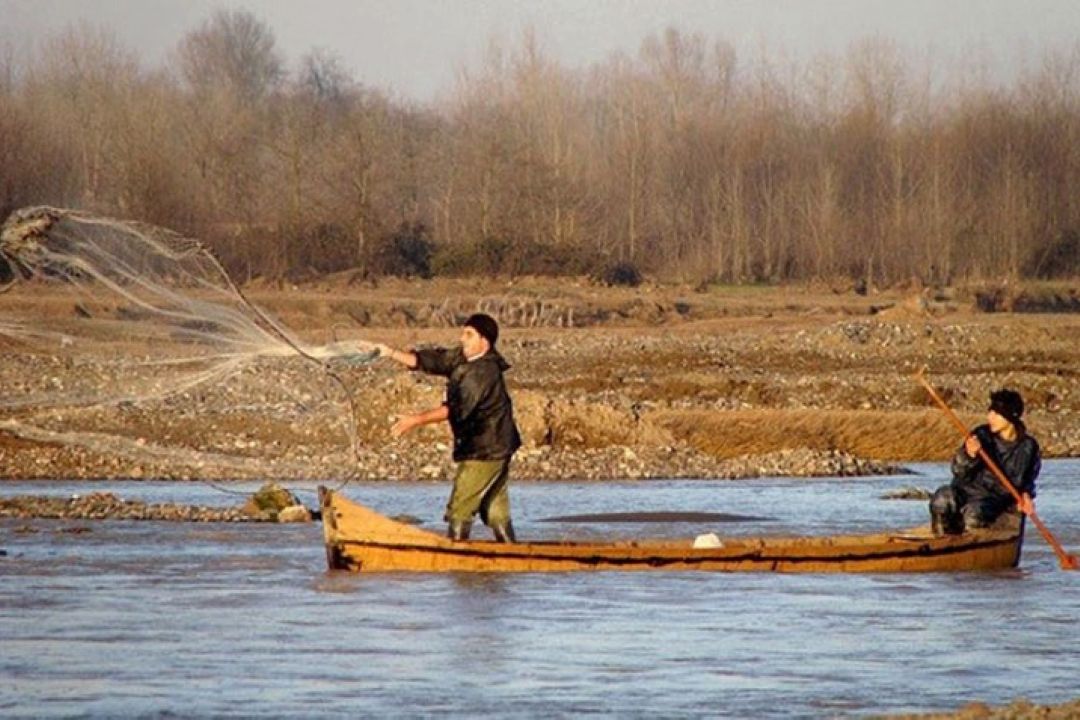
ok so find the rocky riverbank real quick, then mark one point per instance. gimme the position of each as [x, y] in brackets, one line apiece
[732, 384]
[270, 503]
[1019, 709]
[107, 506]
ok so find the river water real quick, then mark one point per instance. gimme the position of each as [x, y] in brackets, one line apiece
[146, 619]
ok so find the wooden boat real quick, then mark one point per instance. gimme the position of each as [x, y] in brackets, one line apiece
[362, 540]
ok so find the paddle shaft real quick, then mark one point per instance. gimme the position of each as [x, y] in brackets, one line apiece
[1067, 561]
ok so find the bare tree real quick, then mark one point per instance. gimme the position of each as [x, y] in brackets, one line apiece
[234, 50]
[230, 68]
[81, 85]
[683, 159]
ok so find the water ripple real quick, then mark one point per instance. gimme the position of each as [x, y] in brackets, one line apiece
[166, 620]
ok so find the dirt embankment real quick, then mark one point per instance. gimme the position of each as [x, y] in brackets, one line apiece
[607, 383]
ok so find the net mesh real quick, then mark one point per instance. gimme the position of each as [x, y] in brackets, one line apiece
[111, 327]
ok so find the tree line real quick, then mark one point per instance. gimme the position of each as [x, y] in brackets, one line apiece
[682, 160]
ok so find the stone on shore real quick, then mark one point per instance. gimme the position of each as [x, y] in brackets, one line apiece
[268, 502]
[294, 514]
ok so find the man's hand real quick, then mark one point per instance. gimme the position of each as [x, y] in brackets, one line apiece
[1026, 504]
[972, 446]
[404, 425]
[405, 357]
[407, 423]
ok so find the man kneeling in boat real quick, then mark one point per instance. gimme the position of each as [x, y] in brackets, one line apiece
[481, 418]
[976, 498]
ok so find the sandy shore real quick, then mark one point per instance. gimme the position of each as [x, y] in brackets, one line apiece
[652, 382]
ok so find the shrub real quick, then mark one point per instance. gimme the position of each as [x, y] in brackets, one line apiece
[324, 248]
[455, 260]
[1061, 259]
[406, 252]
[623, 274]
[495, 256]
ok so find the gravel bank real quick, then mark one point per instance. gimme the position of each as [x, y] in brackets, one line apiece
[1019, 709]
[102, 506]
[787, 384]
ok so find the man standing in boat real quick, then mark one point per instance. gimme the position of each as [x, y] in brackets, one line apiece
[976, 498]
[481, 417]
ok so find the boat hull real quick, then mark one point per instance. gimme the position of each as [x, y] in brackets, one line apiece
[361, 540]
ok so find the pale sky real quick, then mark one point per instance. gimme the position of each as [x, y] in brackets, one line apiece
[413, 48]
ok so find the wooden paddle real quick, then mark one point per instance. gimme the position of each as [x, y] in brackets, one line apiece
[1067, 561]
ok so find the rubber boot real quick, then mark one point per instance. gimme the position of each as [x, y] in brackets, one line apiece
[458, 530]
[946, 524]
[504, 532]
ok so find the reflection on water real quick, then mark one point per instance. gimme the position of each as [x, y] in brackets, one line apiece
[140, 618]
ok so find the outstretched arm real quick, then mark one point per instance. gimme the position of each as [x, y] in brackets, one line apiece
[405, 357]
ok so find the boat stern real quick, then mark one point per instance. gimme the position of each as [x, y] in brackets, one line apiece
[334, 559]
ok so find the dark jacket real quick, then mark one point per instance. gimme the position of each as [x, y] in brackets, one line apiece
[481, 414]
[1020, 461]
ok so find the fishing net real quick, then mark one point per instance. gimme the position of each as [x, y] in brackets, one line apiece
[111, 328]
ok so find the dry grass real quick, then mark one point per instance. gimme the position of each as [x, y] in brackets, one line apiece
[909, 435]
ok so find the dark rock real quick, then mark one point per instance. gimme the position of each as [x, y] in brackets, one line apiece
[907, 493]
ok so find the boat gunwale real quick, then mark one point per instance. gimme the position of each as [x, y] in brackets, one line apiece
[489, 550]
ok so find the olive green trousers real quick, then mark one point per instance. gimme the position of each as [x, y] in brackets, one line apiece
[480, 486]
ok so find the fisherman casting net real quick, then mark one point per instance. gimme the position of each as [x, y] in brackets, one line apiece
[117, 323]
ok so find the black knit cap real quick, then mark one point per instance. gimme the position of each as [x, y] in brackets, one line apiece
[1008, 404]
[485, 325]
